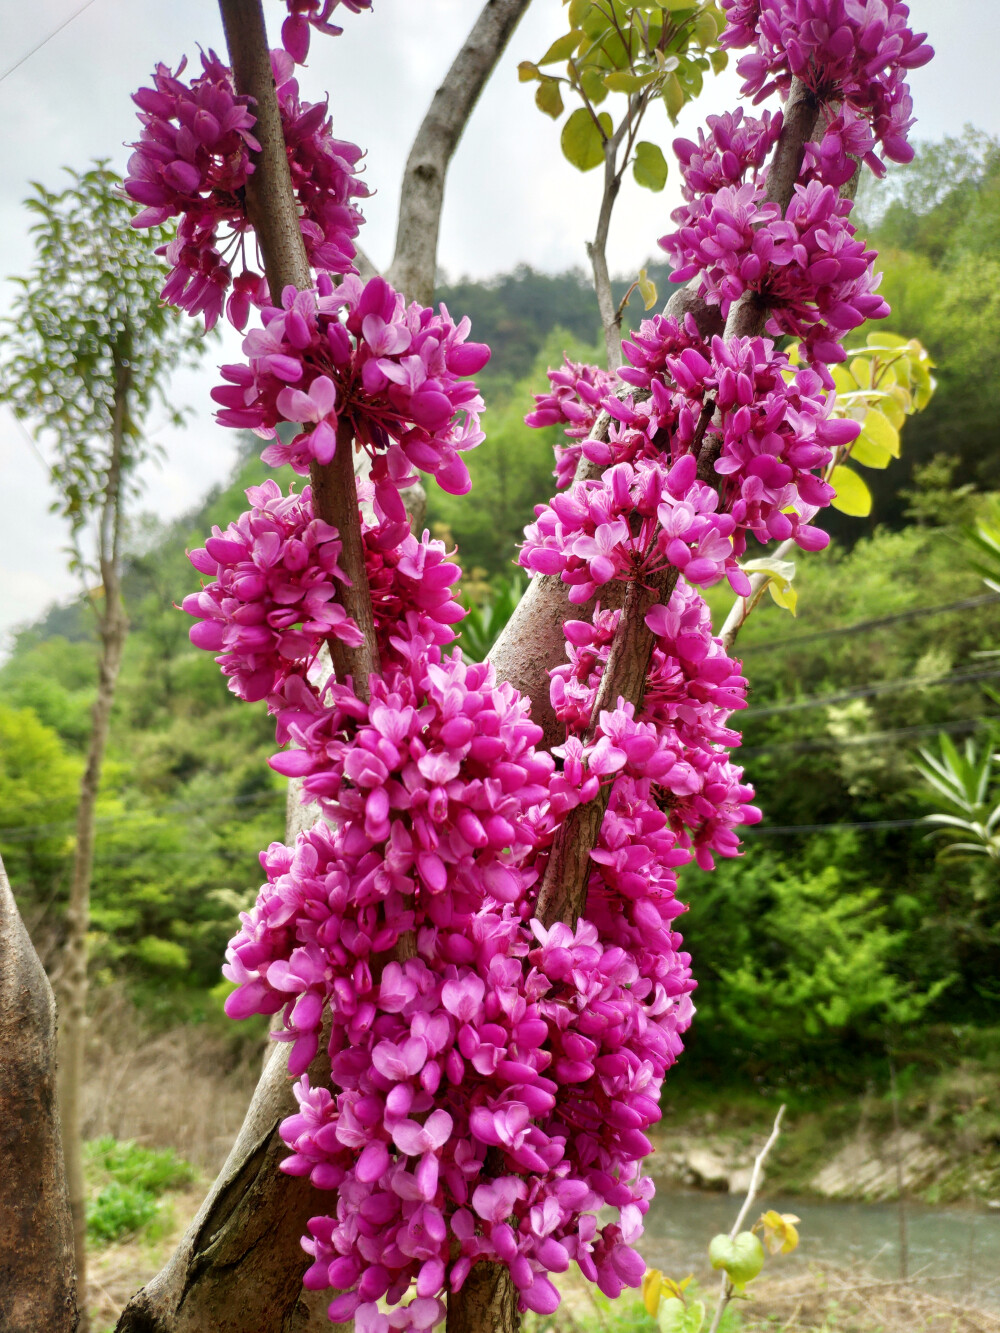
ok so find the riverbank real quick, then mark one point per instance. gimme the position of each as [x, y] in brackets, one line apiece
[941, 1142]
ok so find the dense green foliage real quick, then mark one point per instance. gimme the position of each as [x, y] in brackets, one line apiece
[837, 931]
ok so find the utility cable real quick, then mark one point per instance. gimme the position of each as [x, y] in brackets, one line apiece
[38, 45]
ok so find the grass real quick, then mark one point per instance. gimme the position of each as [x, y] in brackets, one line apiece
[126, 1183]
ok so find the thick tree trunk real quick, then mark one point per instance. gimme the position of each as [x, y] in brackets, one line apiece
[37, 1280]
[72, 982]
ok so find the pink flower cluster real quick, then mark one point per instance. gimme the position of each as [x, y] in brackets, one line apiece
[545, 1047]
[678, 745]
[272, 602]
[578, 390]
[630, 522]
[852, 53]
[304, 15]
[357, 359]
[816, 279]
[734, 146]
[192, 161]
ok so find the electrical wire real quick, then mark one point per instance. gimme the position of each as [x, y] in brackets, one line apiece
[38, 46]
[872, 738]
[966, 604]
[877, 687]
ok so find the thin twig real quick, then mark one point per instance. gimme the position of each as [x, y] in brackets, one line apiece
[726, 1286]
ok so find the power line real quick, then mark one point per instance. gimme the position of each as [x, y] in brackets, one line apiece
[877, 687]
[873, 738]
[822, 828]
[20, 832]
[966, 604]
[32, 445]
[38, 46]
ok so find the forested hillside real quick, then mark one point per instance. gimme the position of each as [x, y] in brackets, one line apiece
[857, 935]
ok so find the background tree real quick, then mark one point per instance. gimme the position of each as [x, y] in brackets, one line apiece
[87, 351]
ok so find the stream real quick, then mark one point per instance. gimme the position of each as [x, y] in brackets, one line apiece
[955, 1251]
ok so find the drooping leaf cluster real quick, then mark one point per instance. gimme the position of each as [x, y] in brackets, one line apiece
[86, 318]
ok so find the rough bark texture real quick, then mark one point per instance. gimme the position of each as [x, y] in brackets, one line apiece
[487, 1302]
[37, 1278]
[413, 266]
[72, 975]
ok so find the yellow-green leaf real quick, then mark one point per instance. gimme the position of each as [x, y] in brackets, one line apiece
[621, 81]
[578, 11]
[869, 454]
[853, 496]
[879, 430]
[548, 98]
[652, 1284]
[592, 83]
[526, 71]
[705, 29]
[861, 369]
[673, 95]
[780, 1234]
[562, 48]
[581, 140]
[647, 289]
[650, 167]
[742, 1257]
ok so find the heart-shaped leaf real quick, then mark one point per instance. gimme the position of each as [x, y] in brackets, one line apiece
[741, 1257]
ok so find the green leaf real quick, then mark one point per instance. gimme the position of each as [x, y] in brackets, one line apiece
[869, 454]
[853, 496]
[647, 290]
[742, 1257]
[676, 1316]
[650, 167]
[705, 30]
[621, 81]
[580, 140]
[562, 48]
[719, 59]
[578, 11]
[548, 98]
[879, 431]
[526, 71]
[673, 96]
[592, 83]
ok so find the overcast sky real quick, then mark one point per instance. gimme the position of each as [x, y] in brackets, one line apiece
[510, 197]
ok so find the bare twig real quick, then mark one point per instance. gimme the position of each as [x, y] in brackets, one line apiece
[726, 1287]
[413, 267]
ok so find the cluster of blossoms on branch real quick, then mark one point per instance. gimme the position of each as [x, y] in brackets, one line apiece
[192, 162]
[489, 1077]
[805, 264]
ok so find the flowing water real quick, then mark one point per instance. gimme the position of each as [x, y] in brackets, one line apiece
[955, 1251]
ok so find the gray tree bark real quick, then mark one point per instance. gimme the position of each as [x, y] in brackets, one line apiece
[37, 1278]
[414, 263]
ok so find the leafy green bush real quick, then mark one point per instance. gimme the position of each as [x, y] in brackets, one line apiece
[118, 1211]
[129, 1180]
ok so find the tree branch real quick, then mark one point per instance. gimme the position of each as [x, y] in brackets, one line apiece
[274, 213]
[37, 1279]
[726, 1288]
[413, 267]
[563, 892]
